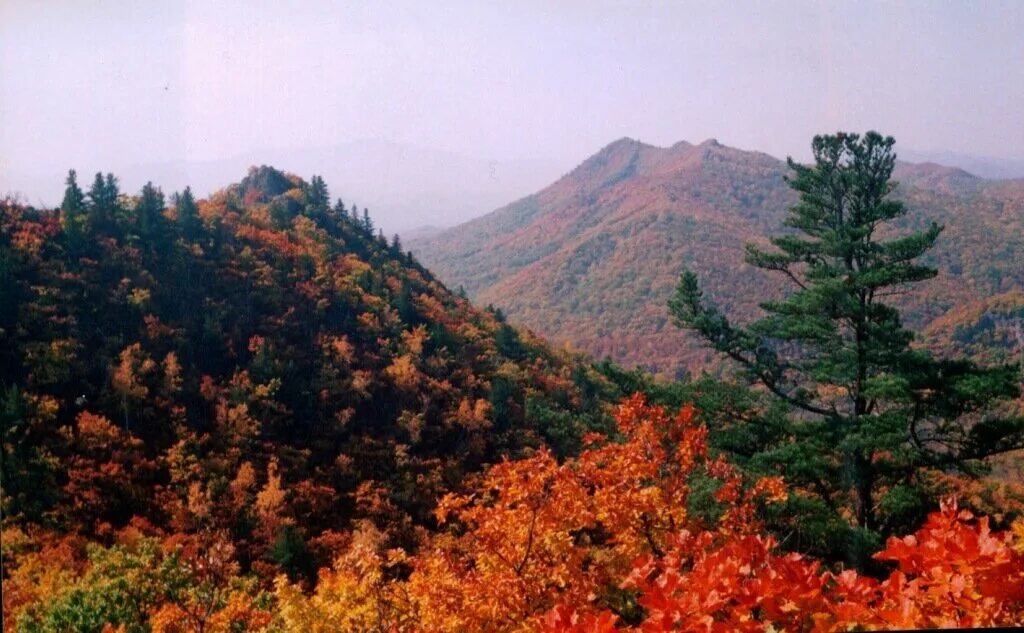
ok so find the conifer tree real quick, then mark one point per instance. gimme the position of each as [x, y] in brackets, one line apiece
[317, 197]
[72, 210]
[396, 244]
[188, 214]
[340, 210]
[102, 200]
[367, 222]
[405, 305]
[149, 211]
[869, 409]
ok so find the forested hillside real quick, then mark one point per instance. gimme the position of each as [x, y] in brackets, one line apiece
[251, 413]
[250, 374]
[593, 258]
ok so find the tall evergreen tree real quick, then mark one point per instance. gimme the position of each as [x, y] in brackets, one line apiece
[188, 214]
[72, 212]
[339, 209]
[405, 305]
[870, 409]
[103, 200]
[367, 222]
[318, 199]
[149, 212]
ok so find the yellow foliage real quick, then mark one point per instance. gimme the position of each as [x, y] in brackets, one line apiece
[172, 373]
[404, 373]
[139, 297]
[339, 348]
[353, 596]
[134, 364]
[414, 339]
[270, 500]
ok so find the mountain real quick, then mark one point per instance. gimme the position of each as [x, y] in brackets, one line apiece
[593, 258]
[258, 369]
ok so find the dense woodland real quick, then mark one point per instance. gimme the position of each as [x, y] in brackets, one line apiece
[252, 372]
[254, 412]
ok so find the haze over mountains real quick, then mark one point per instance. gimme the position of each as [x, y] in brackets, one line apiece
[413, 189]
[593, 258]
[405, 186]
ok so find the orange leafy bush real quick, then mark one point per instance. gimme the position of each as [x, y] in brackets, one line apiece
[537, 533]
[612, 540]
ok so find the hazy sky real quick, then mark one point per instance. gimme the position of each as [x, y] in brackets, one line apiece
[110, 85]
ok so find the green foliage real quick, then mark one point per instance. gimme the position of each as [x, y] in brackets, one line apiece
[149, 211]
[28, 471]
[188, 215]
[120, 588]
[103, 203]
[72, 213]
[318, 199]
[292, 554]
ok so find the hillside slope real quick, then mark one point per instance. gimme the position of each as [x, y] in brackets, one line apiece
[593, 258]
[260, 375]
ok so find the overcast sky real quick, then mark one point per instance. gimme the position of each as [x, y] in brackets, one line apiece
[114, 85]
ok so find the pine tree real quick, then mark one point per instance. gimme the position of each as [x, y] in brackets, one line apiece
[405, 305]
[103, 201]
[188, 214]
[870, 410]
[149, 212]
[367, 222]
[339, 209]
[72, 210]
[396, 244]
[318, 199]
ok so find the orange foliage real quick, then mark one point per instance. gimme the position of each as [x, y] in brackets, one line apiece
[606, 542]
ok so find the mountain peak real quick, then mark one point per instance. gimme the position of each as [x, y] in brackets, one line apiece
[623, 144]
[268, 182]
[614, 162]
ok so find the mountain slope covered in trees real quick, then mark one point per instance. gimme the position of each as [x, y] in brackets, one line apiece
[593, 258]
[252, 372]
[251, 413]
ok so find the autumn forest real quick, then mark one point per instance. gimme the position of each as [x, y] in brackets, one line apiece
[256, 412]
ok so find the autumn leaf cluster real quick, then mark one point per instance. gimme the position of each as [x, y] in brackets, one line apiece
[613, 540]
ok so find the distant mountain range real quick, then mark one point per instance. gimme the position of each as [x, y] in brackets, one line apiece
[984, 166]
[593, 258]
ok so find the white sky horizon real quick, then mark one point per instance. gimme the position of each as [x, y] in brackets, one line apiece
[112, 86]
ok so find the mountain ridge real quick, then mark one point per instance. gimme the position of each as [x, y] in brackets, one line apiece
[591, 258]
